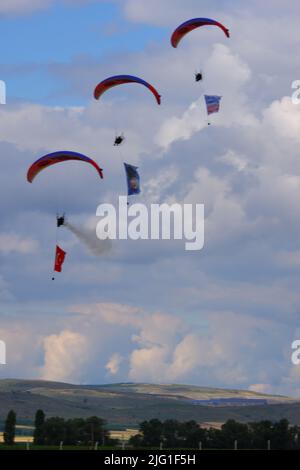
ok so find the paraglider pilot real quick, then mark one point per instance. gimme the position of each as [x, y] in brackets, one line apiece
[198, 76]
[119, 140]
[60, 220]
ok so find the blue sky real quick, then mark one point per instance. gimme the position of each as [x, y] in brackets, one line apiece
[61, 34]
[152, 312]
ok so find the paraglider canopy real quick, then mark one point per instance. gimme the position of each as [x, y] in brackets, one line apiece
[58, 157]
[117, 80]
[190, 25]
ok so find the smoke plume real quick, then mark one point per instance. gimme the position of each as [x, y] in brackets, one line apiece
[96, 247]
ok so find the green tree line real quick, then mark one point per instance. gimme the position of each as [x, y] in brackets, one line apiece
[169, 434]
[172, 434]
[53, 431]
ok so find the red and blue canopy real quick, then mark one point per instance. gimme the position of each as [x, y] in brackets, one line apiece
[190, 25]
[117, 80]
[58, 157]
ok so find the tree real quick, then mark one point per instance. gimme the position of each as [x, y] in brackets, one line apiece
[39, 430]
[136, 441]
[75, 431]
[190, 435]
[233, 431]
[152, 433]
[283, 437]
[170, 433]
[261, 433]
[55, 431]
[10, 428]
[214, 439]
[174, 434]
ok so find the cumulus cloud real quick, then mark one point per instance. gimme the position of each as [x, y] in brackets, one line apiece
[186, 357]
[114, 363]
[216, 353]
[65, 355]
[157, 347]
[184, 127]
[148, 364]
[282, 118]
[238, 162]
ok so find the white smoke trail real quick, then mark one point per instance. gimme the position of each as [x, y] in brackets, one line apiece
[96, 247]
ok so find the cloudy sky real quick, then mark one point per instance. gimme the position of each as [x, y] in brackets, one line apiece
[150, 311]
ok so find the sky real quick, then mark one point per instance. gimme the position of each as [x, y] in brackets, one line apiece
[137, 311]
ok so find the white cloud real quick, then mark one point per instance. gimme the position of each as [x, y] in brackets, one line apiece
[238, 162]
[148, 364]
[66, 354]
[192, 120]
[186, 357]
[114, 363]
[159, 348]
[261, 388]
[282, 119]
[220, 355]
[12, 243]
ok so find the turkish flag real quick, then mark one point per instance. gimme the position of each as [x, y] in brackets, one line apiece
[59, 259]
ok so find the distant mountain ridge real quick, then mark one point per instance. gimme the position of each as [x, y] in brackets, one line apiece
[194, 392]
[128, 404]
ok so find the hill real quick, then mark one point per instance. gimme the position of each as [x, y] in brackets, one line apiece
[126, 405]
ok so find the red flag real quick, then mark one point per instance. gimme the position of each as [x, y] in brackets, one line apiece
[59, 259]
